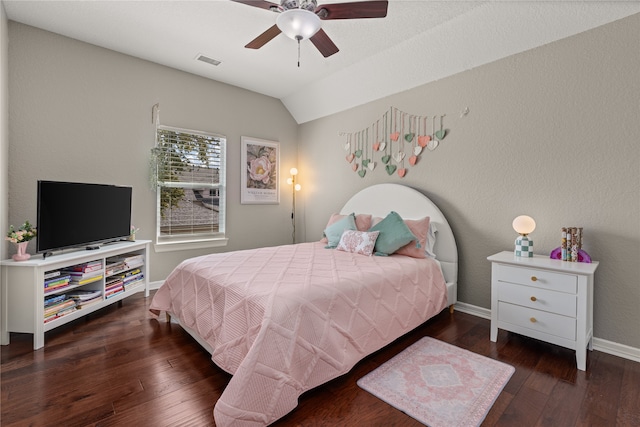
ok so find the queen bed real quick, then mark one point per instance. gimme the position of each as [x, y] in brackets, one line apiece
[285, 319]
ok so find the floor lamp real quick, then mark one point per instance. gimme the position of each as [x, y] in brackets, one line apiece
[294, 189]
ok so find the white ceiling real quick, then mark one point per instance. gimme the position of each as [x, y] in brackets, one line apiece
[418, 42]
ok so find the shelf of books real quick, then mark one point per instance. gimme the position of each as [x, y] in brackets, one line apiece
[70, 287]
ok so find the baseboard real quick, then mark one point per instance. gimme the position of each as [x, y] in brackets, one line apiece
[620, 350]
[485, 313]
[155, 285]
[599, 344]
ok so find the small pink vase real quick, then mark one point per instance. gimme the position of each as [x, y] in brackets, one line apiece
[22, 254]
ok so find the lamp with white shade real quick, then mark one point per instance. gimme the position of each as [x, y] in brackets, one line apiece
[524, 225]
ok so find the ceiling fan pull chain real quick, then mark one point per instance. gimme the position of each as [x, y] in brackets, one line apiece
[298, 38]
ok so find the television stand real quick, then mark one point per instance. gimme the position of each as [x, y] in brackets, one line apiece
[23, 296]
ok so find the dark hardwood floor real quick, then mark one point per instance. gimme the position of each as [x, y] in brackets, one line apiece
[122, 367]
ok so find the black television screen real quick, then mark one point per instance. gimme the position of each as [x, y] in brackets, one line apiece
[72, 214]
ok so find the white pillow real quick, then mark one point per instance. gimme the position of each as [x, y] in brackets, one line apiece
[358, 242]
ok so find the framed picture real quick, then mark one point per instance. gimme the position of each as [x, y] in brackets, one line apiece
[259, 177]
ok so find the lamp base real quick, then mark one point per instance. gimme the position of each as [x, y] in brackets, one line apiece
[524, 247]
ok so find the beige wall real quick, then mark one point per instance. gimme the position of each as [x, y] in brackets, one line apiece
[82, 113]
[553, 133]
[4, 125]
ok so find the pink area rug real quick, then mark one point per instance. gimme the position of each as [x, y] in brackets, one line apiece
[439, 384]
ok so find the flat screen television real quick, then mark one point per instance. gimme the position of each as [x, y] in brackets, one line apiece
[74, 214]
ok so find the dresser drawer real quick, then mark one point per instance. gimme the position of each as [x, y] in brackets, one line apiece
[539, 278]
[541, 321]
[538, 298]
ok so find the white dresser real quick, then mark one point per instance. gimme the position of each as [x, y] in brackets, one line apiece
[544, 298]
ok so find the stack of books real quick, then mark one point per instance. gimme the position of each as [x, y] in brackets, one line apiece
[82, 274]
[130, 261]
[55, 281]
[85, 298]
[57, 306]
[128, 278]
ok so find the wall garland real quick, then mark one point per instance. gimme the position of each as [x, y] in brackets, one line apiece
[392, 137]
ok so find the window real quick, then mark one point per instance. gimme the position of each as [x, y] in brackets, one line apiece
[191, 193]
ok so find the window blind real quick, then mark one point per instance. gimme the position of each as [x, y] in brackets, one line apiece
[190, 177]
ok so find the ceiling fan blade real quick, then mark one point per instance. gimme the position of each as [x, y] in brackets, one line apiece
[354, 10]
[264, 38]
[323, 43]
[262, 4]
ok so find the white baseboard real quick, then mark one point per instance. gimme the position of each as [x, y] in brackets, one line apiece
[155, 285]
[485, 313]
[620, 350]
[599, 344]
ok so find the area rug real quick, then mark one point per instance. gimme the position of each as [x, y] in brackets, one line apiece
[439, 384]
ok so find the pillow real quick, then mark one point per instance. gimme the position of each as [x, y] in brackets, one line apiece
[394, 234]
[431, 240]
[335, 230]
[431, 236]
[358, 242]
[363, 223]
[420, 228]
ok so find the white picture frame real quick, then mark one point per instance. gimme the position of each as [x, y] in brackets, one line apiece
[259, 178]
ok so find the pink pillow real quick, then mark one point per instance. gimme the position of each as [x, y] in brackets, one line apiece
[358, 242]
[363, 223]
[420, 229]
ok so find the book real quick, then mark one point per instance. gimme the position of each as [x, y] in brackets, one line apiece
[50, 274]
[85, 281]
[48, 301]
[87, 267]
[83, 295]
[56, 281]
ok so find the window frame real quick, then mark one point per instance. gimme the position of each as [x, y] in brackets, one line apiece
[184, 241]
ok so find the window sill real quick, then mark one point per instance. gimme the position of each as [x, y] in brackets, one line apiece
[183, 246]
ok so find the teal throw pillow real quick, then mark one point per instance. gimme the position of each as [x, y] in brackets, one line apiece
[333, 233]
[394, 234]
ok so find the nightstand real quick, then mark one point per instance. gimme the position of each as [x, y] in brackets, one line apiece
[543, 298]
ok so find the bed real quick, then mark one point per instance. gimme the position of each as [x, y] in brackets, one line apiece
[285, 319]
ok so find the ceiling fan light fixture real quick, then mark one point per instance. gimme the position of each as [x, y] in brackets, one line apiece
[298, 24]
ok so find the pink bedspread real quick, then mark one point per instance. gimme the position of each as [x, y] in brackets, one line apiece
[286, 319]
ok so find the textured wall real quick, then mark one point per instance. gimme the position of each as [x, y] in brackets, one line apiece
[82, 113]
[552, 133]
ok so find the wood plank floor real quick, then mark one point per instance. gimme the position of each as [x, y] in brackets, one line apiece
[122, 367]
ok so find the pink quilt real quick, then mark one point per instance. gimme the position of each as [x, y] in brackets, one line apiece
[286, 319]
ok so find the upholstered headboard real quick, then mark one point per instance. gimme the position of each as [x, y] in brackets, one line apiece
[379, 200]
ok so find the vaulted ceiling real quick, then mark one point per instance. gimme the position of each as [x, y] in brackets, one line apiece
[418, 42]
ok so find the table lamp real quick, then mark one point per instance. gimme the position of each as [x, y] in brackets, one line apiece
[524, 225]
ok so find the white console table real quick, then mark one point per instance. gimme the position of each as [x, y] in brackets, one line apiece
[22, 288]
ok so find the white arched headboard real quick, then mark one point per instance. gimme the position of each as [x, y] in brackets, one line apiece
[378, 200]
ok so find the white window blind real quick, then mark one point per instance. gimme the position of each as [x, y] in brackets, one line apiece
[191, 193]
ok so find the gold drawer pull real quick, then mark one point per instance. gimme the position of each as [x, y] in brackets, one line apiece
[534, 299]
[534, 279]
[533, 320]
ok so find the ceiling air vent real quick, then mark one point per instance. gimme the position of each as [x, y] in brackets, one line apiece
[208, 60]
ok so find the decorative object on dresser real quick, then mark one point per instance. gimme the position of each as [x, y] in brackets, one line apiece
[43, 293]
[439, 384]
[545, 299]
[570, 248]
[524, 225]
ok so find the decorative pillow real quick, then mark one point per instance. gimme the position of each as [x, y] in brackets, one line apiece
[431, 236]
[335, 230]
[363, 223]
[431, 240]
[420, 228]
[394, 234]
[358, 242]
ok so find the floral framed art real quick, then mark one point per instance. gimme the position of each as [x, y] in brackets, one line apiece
[260, 161]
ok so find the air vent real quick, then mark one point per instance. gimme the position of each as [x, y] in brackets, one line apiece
[208, 60]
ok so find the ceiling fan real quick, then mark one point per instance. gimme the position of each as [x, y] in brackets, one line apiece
[300, 19]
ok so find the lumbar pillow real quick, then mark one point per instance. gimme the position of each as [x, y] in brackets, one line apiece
[394, 234]
[335, 230]
[358, 242]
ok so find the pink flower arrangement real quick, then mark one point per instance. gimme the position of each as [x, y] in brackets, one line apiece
[260, 169]
[25, 233]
